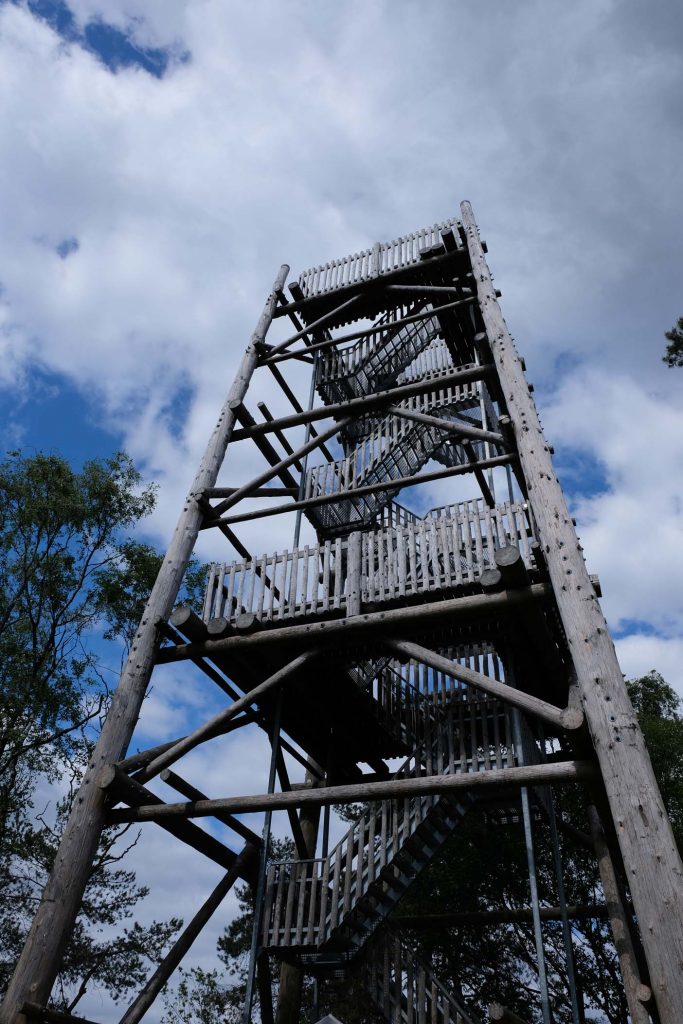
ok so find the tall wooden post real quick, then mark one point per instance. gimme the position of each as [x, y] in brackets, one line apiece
[38, 965]
[652, 861]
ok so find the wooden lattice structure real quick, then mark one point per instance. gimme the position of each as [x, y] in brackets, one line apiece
[422, 660]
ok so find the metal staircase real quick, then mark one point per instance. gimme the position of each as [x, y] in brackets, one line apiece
[375, 363]
[324, 910]
[394, 449]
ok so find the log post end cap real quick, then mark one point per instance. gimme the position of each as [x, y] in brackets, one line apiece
[508, 555]
[571, 719]
[106, 777]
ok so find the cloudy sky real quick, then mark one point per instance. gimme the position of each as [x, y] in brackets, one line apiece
[161, 158]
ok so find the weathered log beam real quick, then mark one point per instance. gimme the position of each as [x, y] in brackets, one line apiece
[290, 460]
[120, 786]
[560, 718]
[320, 322]
[297, 406]
[214, 726]
[366, 332]
[559, 772]
[636, 992]
[368, 624]
[451, 426]
[651, 857]
[260, 492]
[191, 792]
[193, 628]
[356, 492]
[370, 403]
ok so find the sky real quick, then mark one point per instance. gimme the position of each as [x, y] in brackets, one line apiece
[161, 159]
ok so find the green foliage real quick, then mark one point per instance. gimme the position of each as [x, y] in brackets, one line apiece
[68, 576]
[201, 996]
[124, 584]
[674, 350]
[658, 707]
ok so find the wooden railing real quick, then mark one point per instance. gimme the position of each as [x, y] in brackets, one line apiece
[308, 901]
[382, 258]
[398, 562]
[404, 990]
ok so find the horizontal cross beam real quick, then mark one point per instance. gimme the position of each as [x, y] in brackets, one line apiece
[367, 332]
[370, 403]
[560, 772]
[358, 628]
[348, 494]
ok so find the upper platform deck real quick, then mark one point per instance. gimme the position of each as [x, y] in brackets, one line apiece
[409, 562]
[382, 259]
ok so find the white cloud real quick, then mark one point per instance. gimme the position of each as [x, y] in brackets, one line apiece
[640, 653]
[632, 531]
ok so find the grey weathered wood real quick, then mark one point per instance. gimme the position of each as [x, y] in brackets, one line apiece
[121, 787]
[331, 343]
[192, 793]
[38, 964]
[510, 565]
[278, 467]
[363, 489]
[451, 425]
[392, 620]
[561, 718]
[633, 986]
[187, 937]
[321, 321]
[370, 403]
[652, 861]
[532, 775]
[354, 554]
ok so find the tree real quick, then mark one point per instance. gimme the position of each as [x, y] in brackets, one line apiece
[658, 707]
[69, 581]
[674, 350]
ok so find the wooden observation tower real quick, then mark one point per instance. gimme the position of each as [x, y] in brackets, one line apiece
[426, 662]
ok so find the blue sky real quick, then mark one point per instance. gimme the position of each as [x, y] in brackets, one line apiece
[162, 158]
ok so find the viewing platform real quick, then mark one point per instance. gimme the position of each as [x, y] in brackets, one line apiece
[443, 554]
